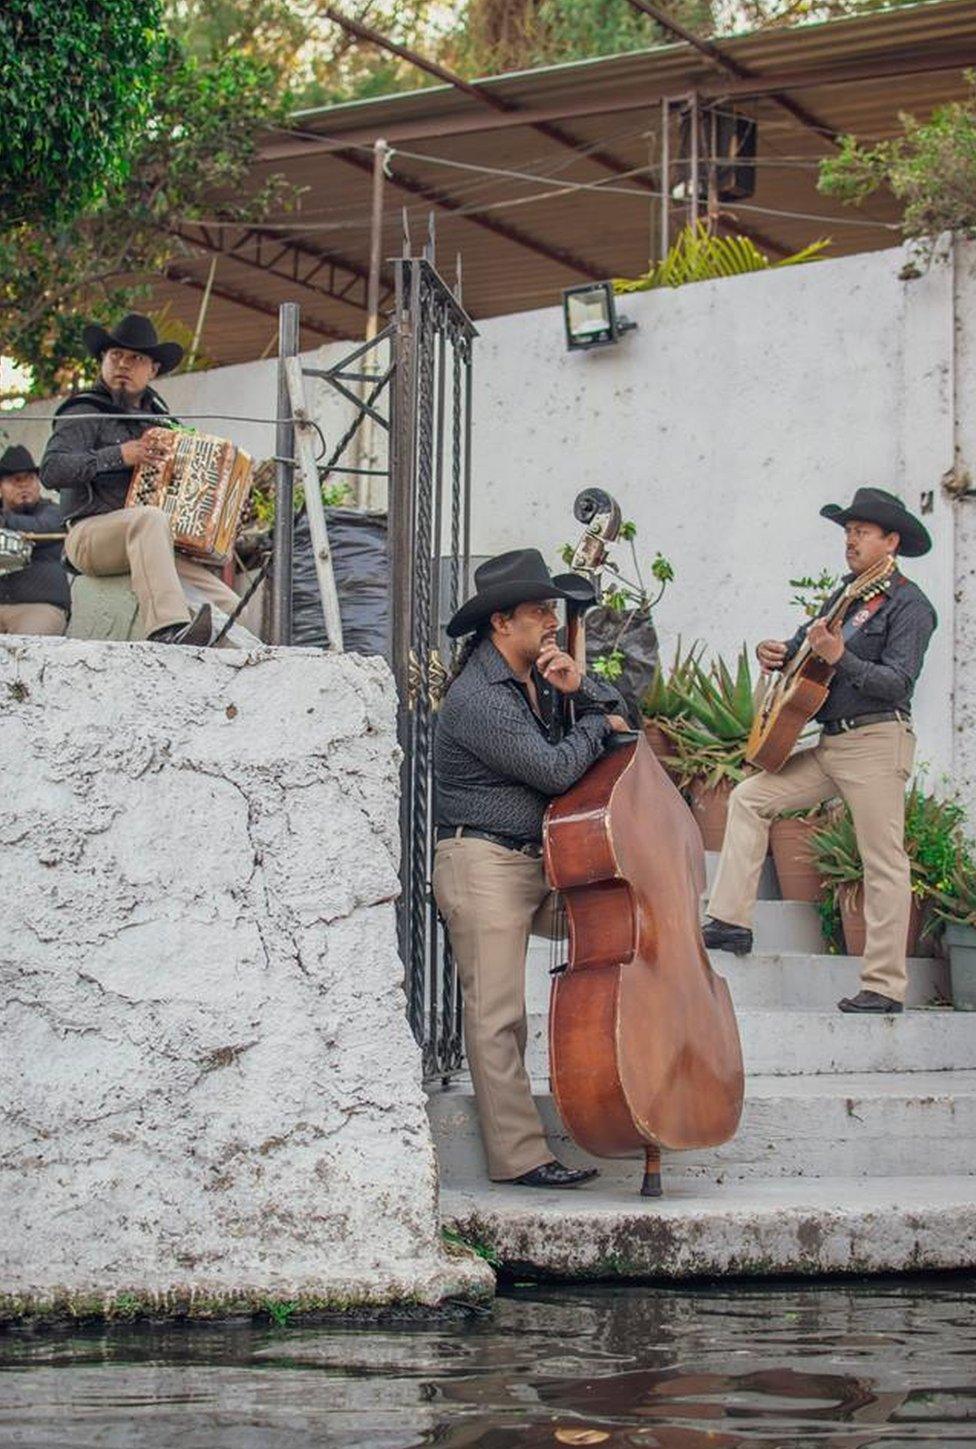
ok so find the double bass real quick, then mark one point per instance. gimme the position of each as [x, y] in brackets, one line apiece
[644, 1048]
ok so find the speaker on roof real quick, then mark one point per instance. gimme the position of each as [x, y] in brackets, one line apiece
[727, 142]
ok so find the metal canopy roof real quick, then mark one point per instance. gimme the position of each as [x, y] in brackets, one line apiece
[523, 238]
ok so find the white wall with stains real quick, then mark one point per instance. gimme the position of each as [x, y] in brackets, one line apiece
[211, 1094]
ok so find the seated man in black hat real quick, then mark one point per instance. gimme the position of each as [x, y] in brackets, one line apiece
[865, 753]
[90, 460]
[502, 751]
[34, 599]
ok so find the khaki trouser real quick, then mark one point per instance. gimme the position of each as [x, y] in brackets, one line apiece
[138, 541]
[868, 768]
[492, 899]
[32, 619]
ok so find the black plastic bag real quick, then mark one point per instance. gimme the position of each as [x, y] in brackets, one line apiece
[359, 560]
[638, 645]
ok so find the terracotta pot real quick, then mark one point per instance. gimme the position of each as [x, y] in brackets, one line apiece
[799, 879]
[852, 920]
[710, 807]
[661, 746]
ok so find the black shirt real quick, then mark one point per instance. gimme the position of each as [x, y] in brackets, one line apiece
[496, 763]
[44, 580]
[883, 658]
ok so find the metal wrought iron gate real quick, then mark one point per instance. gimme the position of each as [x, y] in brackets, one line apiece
[420, 366]
[430, 487]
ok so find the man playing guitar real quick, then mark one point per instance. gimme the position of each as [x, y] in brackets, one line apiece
[865, 753]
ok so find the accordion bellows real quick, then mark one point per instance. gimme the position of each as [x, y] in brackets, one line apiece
[201, 486]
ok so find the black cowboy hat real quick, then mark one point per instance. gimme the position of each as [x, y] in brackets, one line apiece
[874, 505]
[514, 578]
[136, 334]
[16, 460]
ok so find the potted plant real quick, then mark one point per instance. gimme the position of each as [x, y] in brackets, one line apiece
[790, 838]
[934, 843]
[955, 904]
[709, 739]
[662, 703]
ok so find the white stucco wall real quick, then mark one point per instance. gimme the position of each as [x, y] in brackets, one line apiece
[722, 423]
[211, 1094]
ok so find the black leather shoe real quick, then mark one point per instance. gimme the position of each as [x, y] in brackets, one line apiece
[871, 1001]
[722, 936]
[553, 1174]
[198, 631]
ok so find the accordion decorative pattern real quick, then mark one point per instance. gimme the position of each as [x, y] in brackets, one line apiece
[15, 551]
[201, 486]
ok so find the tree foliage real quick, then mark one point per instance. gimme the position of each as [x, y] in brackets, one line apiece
[190, 160]
[930, 169]
[77, 85]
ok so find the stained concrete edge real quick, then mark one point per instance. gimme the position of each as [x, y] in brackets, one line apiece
[462, 1278]
[774, 1229]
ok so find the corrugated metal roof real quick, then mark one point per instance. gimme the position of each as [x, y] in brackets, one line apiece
[522, 240]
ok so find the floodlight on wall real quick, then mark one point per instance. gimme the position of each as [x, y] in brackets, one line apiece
[590, 317]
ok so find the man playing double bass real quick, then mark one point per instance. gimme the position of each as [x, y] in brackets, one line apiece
[503, 749]
[865, 753]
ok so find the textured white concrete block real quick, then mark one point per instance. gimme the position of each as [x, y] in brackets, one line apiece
[212, 1097]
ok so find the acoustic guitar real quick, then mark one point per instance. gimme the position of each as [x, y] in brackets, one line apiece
[798, 691]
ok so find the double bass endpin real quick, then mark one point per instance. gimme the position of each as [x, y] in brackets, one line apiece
[651, 1186]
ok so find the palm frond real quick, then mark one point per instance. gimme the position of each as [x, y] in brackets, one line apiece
[698, 255]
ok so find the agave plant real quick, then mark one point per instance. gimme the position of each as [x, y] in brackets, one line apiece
[698, 255]
[710, 737]
[662, 700]
[942, 868]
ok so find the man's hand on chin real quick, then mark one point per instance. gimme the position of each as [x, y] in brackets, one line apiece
[558, 668]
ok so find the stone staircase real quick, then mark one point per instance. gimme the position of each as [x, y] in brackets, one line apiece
[856, 1150]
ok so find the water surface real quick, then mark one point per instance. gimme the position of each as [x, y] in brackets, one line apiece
[872, 1363]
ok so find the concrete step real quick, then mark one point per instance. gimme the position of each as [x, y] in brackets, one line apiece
[859, 1125]
[759, 1228]
[768, 883]
[768, 980]
[807, 1043]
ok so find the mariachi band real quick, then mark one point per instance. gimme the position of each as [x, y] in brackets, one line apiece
[544, 794]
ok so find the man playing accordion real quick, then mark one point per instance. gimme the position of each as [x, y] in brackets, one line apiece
[90, 461]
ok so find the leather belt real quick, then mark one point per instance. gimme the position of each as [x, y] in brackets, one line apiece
[842, 726]
[510, 842]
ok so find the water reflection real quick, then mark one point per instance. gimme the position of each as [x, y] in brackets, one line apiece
[843, 1365]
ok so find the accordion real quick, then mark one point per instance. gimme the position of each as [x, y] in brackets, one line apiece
[15, 551]
[201, 485]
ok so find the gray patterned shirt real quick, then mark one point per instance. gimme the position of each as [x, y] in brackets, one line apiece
[883, 658]
[496, 764]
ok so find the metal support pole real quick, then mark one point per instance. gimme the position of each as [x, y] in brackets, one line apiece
[694, 119]
[711, 162]
[380, 149]
[665, 176]
[202, 314]
[370, 491]
[284, 529]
